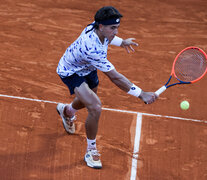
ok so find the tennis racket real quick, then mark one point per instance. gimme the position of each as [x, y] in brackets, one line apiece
[189, 66]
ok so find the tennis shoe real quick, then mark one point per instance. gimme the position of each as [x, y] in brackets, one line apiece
[68, 123]
[92, 159]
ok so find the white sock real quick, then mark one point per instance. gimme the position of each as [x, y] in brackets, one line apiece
[91, 144]
[71, 109]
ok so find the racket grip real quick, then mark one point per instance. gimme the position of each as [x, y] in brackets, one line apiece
[161, 90]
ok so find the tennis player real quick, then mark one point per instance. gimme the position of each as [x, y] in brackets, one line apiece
[78, 70]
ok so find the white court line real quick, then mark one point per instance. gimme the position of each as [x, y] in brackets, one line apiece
[136, 146]
[108, 109]
[28, 99]
[155, 115]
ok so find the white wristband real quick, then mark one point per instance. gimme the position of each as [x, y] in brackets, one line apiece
[134, 91]
[116, 41]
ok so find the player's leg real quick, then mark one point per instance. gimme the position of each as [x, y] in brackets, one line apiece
[76, 105]
[68, 117]
[93, 105]
[67, 111]
[92, 80]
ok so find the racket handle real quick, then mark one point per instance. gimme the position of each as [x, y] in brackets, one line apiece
[161, 90]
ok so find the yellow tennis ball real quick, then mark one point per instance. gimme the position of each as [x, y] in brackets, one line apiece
[184, 105]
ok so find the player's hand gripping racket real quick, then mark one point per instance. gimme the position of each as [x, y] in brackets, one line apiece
[189, 66]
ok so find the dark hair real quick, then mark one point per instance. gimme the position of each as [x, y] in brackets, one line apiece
[105, 13]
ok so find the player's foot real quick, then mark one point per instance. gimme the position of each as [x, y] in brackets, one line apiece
[67, 122]
[92, 159]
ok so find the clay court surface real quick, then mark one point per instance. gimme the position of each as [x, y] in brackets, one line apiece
[135, 143]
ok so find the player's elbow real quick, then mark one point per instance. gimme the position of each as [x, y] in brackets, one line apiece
[113, 75]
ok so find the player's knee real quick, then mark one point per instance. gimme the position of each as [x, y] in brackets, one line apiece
[98, 108]
[95, 109]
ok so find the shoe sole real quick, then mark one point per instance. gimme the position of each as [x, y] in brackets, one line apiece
[63, 123]
[91, 166]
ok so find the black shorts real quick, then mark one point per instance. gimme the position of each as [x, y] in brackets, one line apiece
[75, 80]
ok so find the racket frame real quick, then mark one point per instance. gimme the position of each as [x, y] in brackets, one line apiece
[173, 67]
[163, 88]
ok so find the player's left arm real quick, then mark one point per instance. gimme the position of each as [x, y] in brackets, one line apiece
[125, 43]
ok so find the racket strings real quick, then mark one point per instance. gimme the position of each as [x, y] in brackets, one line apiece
[190, 65]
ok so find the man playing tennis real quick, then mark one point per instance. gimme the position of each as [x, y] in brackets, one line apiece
[78, 70]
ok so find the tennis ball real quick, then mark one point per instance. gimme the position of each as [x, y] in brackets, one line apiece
[184, 105]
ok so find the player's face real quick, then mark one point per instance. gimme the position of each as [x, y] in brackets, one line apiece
[109, 31]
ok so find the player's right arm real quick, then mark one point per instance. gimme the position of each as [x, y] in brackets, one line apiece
[123, 83]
